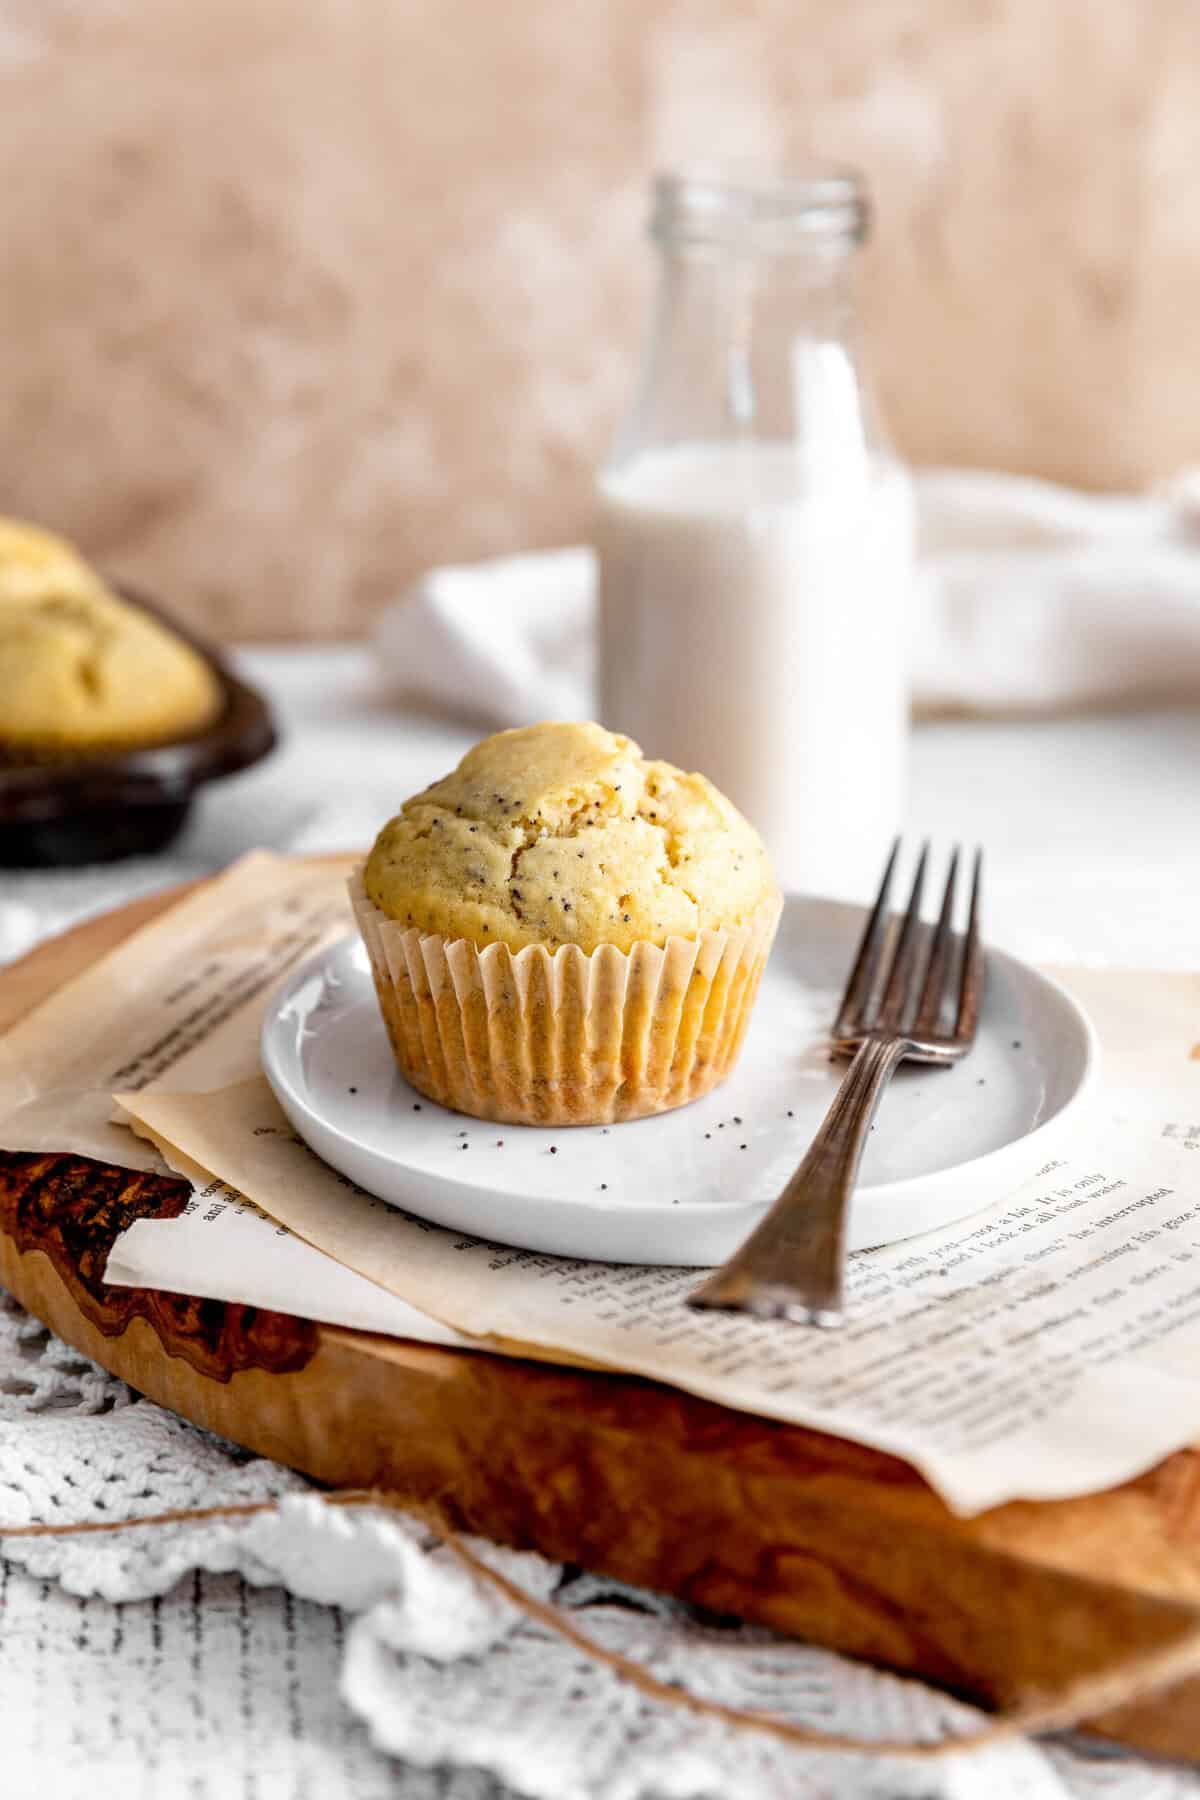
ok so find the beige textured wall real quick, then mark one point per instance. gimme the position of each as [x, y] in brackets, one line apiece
[298, 298]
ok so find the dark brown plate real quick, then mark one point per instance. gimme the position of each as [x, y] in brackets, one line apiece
[98, 807]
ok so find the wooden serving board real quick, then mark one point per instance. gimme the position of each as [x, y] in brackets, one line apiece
[814, 1536]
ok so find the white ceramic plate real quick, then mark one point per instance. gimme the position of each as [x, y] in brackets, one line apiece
[686, 1187]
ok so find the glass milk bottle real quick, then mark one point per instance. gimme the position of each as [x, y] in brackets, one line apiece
[755, 535]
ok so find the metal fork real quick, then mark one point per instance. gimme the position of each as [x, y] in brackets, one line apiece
[912, 995]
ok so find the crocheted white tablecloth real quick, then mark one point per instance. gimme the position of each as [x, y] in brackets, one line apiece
[328, 1653]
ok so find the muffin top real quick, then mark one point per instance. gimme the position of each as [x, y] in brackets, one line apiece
[566, 834]
[81, 669]
[31, 560]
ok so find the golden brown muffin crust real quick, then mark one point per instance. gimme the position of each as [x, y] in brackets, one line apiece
[565, 834]
[81, 669]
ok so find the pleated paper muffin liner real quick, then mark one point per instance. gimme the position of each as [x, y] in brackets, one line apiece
[534, 1037]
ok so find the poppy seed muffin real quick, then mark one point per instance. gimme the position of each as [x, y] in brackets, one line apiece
[82, 670]
[564, 932]
[566, 834]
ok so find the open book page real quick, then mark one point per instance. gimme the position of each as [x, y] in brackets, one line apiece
[138, 1014]
[1042, 1348]
[155, 1008]
[1047, 1346]
[223, 1247]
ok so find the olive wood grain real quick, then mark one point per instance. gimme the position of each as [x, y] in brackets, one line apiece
[807, 1533]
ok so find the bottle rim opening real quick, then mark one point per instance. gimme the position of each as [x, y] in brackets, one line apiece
[759, 209]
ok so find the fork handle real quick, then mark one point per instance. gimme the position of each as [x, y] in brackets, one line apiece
[792, 1264]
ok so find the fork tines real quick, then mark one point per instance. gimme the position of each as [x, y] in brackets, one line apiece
[909, 975]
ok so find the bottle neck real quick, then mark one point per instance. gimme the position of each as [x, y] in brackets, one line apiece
[753, 345]
[804, 290]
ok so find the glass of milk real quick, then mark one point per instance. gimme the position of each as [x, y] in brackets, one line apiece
[755, 534]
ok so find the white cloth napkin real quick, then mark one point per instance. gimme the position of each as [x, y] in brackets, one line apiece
[1030, 598]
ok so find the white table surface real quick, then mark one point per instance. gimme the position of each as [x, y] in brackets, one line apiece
[1093, 856]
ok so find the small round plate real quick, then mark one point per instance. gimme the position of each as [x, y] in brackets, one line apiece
[685, 1187]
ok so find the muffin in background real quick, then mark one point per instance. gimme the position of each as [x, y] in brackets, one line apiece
[563, 932]
[34, 561]
[81, 670]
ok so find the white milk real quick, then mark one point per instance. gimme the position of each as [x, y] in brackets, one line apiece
[762, 638]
